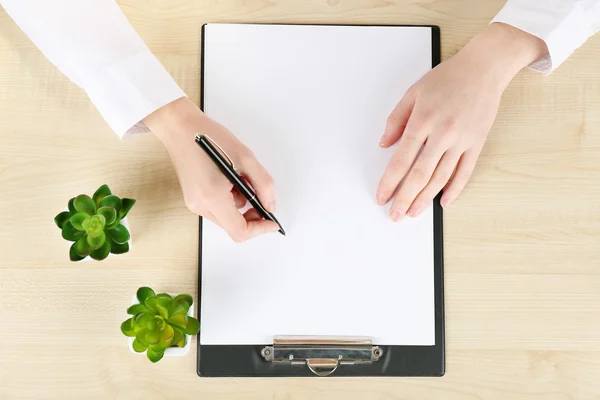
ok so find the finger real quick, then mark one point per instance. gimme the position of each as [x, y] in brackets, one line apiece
[418, 177]
[397, 120]
[410, 144]
[261, 181]
[252, 215]
[462, 175]
[236, 226]
[240, 200]
[441, 176]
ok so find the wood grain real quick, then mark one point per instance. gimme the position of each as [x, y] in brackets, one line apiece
[522, 244]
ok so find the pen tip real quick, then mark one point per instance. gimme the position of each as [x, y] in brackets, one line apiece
[282, 231]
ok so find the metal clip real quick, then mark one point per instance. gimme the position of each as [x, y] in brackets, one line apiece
[322, 355]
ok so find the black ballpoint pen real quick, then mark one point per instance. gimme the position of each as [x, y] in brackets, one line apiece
[228, 169]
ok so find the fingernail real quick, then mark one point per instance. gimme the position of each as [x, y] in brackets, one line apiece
[396, 215]
[271, 206]
[413, 212]
[445, 202]
[380, 198]
[383, 139]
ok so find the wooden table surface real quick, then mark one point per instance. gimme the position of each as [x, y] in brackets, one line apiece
[522, 244]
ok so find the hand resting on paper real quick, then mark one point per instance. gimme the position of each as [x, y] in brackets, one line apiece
[441, 123]
[207, 192]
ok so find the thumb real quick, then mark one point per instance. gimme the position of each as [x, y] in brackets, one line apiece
[261, 181]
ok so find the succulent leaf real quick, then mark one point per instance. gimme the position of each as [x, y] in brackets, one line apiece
[111, 201]
[179, 337]
[185, 297]
[97, 242]
[82, 246]
[78, 219]
[127, 328]
[73, 256]
[166, 337]
[152, 324]
[143, 319]
[112, 226]
[109, 214]
[140, 335]
[193, 326]
[126, 206]
[136, 309]
[119, 234]
[100, 218]
[164, 302]
[162, 310]
[101, 253]
[70, 233]
[155, 353]
[153, 336]
[100, 194]
[179, 321]
[84, 203]
[138, 347]
[71, 206]
[118, 248]
[143, 293]
[179, 307]
[62, 218]
[151, 303]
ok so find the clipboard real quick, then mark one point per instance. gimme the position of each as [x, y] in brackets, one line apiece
[349, 356]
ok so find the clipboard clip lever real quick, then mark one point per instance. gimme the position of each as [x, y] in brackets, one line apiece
[322, 355]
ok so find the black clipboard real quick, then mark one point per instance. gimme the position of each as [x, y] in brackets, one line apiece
[370, 359]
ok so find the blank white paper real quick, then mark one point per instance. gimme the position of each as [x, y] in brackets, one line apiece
[311, 102]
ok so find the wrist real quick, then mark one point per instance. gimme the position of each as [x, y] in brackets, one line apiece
[503, 50]
[174, 121]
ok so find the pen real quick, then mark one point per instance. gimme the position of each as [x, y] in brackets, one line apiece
[228, 169]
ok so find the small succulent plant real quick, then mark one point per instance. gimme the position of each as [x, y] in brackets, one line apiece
[94, 225]
[158, 322]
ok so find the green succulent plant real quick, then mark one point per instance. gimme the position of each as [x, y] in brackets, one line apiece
[93, 224]
[158, 322]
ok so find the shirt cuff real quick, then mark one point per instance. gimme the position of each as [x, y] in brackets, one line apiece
[562, 26]
[129, 90]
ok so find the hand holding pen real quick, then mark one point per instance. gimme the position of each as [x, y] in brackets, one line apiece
[227, 167]
[205, 189]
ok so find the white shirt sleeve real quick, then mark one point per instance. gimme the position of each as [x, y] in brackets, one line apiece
[564, 25]
[94, 45]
